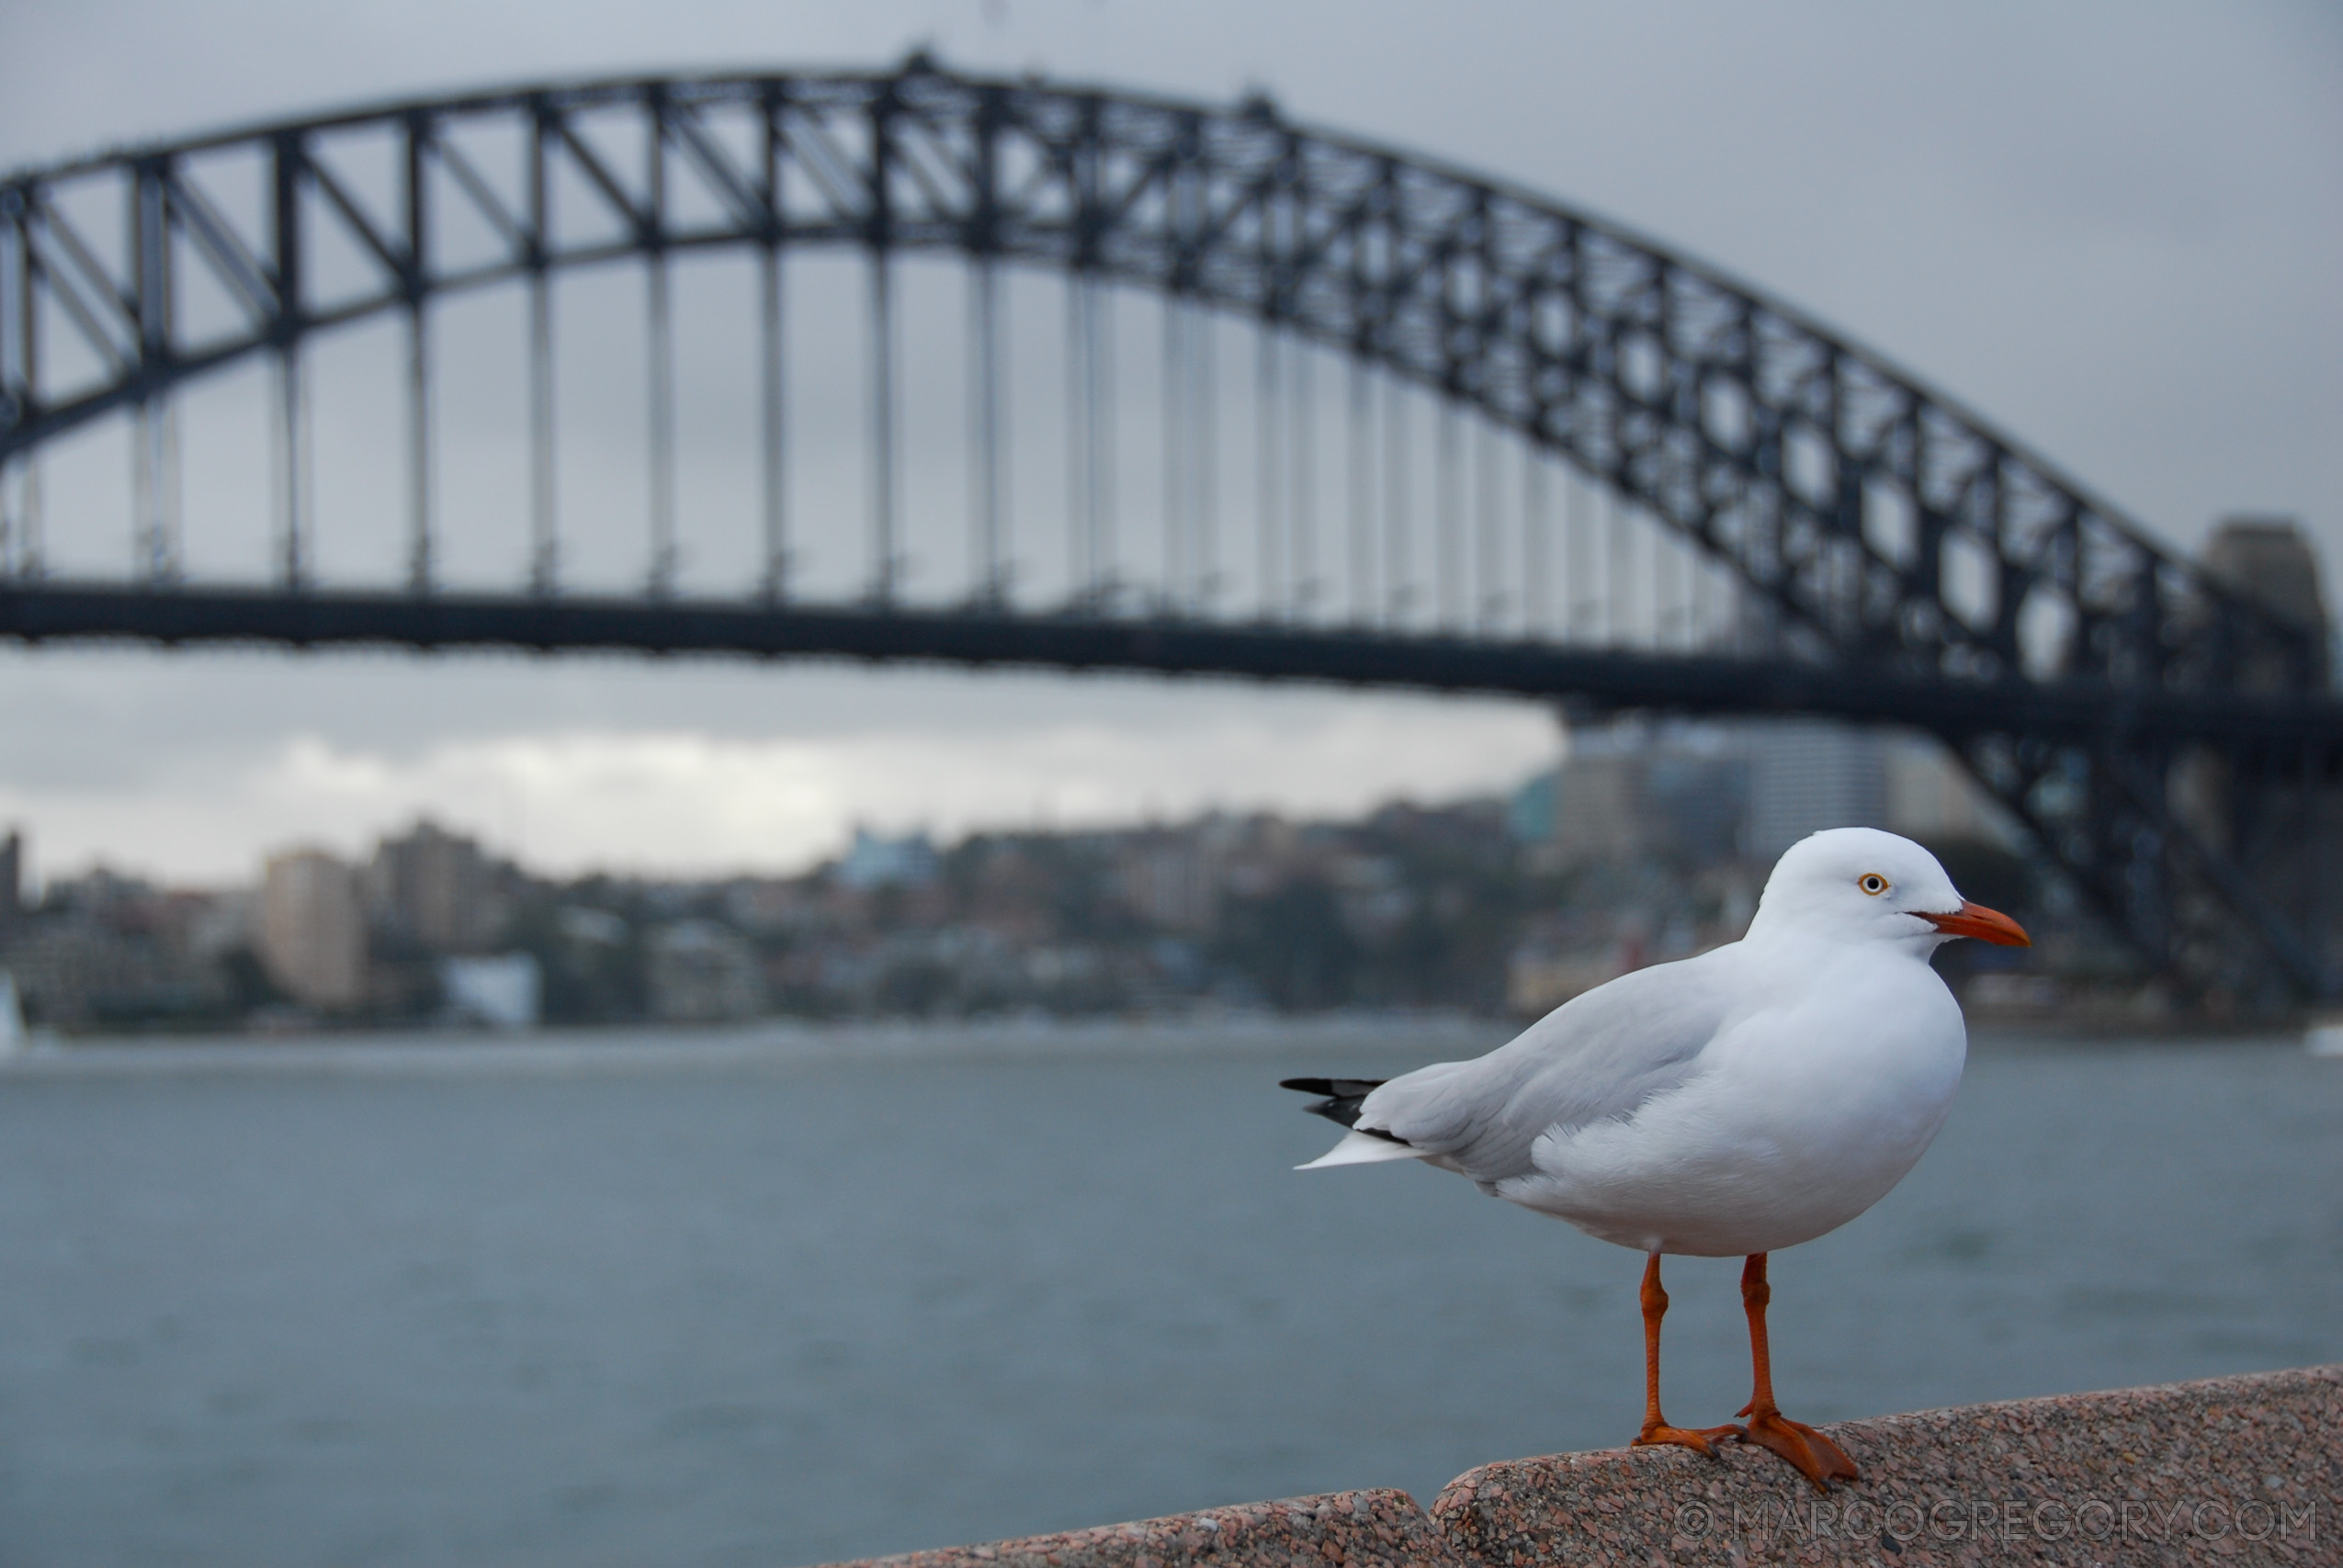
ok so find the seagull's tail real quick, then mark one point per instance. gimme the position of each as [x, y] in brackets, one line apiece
[1365, 1145]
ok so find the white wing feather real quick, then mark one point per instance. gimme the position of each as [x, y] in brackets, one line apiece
[1601, 1055]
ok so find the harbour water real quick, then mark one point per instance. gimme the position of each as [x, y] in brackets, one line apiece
[779, 1300]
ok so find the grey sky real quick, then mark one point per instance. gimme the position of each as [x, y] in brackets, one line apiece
[2113, 230]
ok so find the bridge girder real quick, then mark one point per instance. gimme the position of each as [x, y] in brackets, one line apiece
[1890, 533]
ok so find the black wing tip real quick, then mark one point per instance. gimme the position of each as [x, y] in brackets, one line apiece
[1344, 1096]
[1340, 1089]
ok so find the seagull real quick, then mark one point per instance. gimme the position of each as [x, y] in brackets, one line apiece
[1756, 1095]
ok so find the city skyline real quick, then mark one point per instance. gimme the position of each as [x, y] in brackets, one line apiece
[1650, 841]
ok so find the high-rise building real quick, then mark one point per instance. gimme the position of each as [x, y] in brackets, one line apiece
[313, 934]
[1631, 791]
[12, 882]
[1806, 775]
[1931, 798]
[2270, 562]
[434, 890]
[1598, 808]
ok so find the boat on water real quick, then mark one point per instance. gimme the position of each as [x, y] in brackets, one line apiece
[2325, 1036]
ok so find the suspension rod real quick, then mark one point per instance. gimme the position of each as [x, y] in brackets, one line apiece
[19, 364]
[1176, 456]
[155, 482]
[1204, 426]
[773, 374]
[1537, 546]
[1099, 361]
[31, 564]
[1578, 539]
[154, 489]
[1448, 518]
[660, 580]
[1489, 497]
[293, 443]
[1359, 448]
[885, 556]
[988, 392]
[420, 564]
[1398, 569]
[1269, 445]
[1081, 446]
[1302, 470]
[545, 543]
[1671, 605]
[1614, 568]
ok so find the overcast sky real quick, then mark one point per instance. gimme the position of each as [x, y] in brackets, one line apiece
[2116, 230]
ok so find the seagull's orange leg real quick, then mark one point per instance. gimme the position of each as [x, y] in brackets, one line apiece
[1656, 1428]
[1817, 1457]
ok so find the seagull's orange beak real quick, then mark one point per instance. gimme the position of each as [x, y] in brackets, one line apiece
[1985, 925]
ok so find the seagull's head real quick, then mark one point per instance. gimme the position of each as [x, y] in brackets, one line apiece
[1861, 885]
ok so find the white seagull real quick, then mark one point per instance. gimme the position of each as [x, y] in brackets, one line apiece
[1729, 1105]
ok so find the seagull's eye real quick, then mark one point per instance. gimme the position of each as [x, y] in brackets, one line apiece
[1872, 883]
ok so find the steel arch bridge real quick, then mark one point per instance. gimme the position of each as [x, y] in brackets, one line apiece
[1836, 538]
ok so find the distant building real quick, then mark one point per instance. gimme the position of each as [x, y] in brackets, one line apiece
[220, 923]
[702, 971]
[584, 923]
[1170, 880]
[1529, 810]
[12, 883]
[1806, 775]
[434, 890]
[2268, 561]
[1629, 792]
[1598, 804]
[502, 992]
[874, 861]
[1931, 798]
[313, 933]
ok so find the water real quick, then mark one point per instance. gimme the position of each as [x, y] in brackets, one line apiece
[737, 1303]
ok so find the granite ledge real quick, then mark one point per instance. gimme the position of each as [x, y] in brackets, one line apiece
[2240, 1469]
[1380, 1528]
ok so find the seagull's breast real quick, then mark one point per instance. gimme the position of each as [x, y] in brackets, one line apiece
[1803, 1113]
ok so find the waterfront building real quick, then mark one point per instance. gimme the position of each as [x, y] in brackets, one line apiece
[312, 930]
[435, 891]
[1168, 879]
[701, 971]
[12, 884]
[502, 992]
[874, 861]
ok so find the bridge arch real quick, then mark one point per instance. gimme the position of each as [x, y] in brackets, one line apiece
[1843, 490]
[1910, 561]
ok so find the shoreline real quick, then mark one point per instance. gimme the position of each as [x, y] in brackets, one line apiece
[791, 1042]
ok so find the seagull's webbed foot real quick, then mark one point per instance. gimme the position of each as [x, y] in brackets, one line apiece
[1701, 1440]
[1813, 1455]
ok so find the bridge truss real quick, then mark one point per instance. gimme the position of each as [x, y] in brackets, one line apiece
[1755, 515]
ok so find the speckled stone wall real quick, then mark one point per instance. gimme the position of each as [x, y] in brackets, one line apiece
[1362, 1529]
[2230, 1471]
[2239, 1470]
